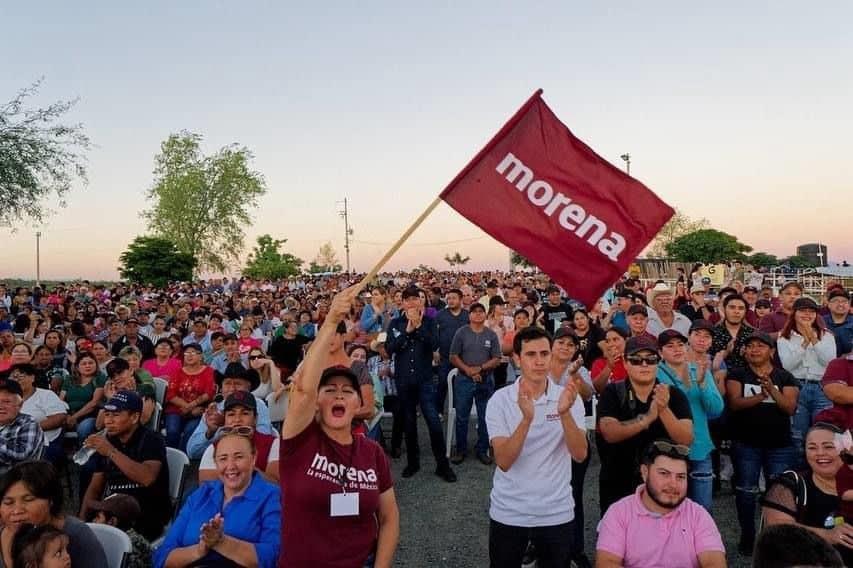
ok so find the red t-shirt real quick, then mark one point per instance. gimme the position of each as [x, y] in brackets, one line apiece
[840, 371]
[312, 467]
[617, 375]
[189, 387]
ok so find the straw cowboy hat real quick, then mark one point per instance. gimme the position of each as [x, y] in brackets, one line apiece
[380, 340]
[658, 290]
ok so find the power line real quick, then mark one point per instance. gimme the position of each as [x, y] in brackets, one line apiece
[423, 244]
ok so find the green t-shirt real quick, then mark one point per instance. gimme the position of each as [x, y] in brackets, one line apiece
[77, 396]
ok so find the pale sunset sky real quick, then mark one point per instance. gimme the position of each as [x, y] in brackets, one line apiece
[739, 112]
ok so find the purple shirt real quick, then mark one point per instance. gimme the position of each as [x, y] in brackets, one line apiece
[645, 539]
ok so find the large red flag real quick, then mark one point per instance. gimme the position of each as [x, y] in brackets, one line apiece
[547, 195]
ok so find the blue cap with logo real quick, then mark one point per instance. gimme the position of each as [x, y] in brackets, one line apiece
[124, 400]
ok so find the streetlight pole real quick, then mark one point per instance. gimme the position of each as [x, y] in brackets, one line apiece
[627, 158]
[347, 231]
[38, 258]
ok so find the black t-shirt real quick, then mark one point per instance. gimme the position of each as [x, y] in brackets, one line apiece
[589, 349]
[621, 461]
[764, 425]
[144, 445]
[287, 352]
[552, 316]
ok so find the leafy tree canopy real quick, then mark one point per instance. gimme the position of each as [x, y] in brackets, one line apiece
[265, 260]
[707, 245]
[325, 261]
[40, 157]
[203, 203]
[156, 261]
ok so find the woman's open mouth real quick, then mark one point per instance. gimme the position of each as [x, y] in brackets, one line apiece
[339, 410]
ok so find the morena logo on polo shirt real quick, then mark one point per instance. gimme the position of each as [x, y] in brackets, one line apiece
[321, 463]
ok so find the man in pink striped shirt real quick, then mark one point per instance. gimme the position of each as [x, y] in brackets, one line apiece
[658, 525]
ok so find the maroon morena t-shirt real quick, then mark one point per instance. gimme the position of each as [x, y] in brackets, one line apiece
[312, 467]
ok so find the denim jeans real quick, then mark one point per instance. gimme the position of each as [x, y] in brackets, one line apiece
[700, 484]
[422, 394]
[748, 463]
[179, 429]
[85, 428]
[811, 400]
[467, 391]
[554, 545]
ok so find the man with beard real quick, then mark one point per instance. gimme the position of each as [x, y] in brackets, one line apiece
[658, 525]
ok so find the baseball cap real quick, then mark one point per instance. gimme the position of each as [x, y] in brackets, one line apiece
[564, 332]
[241, 398]
[132, 319]
[763, 303]
[838, 293]
[763, 338]
[701, 324]
[124, 400]
[640, 343]
[122, 506]
[805, 304]
[340, 371]
[11, 386]
[624, 294]
[194, 347]
[668, 335]
[750, 289]
[638, 309]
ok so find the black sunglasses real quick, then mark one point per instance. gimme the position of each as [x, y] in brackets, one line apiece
[640, 360]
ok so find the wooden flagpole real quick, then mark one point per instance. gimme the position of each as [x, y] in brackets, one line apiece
[396, 246]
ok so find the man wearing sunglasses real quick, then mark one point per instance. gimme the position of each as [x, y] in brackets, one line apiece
[632, 414]
[235, 378]
[658, 525]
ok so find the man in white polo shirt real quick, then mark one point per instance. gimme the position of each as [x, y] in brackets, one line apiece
[536, 428]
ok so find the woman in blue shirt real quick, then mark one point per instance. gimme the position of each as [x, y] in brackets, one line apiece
[697, 383]
[229, 522]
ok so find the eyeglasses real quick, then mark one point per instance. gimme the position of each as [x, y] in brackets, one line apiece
[242, 431]
[639, 360]
[255, 357]
[669, 448]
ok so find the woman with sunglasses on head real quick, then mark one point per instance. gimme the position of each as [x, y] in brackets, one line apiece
[232, 521]
[350, 491]
[809, 497]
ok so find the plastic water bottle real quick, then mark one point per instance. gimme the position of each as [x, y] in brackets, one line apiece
[82, 455]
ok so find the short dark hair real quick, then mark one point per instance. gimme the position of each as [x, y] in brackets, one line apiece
[520, 311]
[41, 480]
[727, 290]
[456, 291]
[116, 366]
[216, 335]
[734, 297]
[30, 543]
[531, 333]
[786, 545]
[25, 368]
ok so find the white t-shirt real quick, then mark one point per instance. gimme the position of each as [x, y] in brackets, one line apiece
[208, 463]
[40, 405]
[537, 490]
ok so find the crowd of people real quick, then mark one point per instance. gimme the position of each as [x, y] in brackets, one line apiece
[672, 384]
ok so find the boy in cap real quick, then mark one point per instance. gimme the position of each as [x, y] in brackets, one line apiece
[121, 511]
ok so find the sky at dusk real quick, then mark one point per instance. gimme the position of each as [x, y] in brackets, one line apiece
[738, 112]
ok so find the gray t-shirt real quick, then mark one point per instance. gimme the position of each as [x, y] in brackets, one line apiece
[475, 348]
[83, 546]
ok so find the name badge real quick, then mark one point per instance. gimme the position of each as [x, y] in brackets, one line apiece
[344, 505]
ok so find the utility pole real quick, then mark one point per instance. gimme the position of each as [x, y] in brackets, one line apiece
[347, 230]
[38, 258]
[627, 158]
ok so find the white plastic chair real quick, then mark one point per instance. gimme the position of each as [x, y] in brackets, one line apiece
[160, 386]
[178, 464]
[451, 410]
[278, 408]
[154, 423]
[115, 542]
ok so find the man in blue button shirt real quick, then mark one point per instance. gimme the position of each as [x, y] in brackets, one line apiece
[412, 342]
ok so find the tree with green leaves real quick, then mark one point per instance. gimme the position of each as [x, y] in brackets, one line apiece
[456, 259]
[155, 260]
[325, 261]
[517, 260]
[266, 262]
[203, 203]
[763, 260]
[707, 245]
[679, 225]
[40, 157]
[799, 262]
